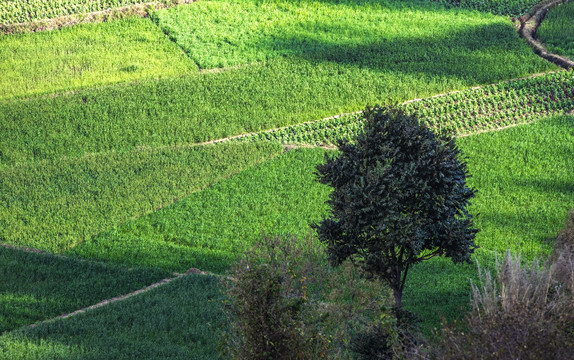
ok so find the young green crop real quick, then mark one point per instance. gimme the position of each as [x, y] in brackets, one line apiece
[56, 205]
[456, 114]
[524, 170]
[459, 52]
[180, 320]
[557, 32]
[20, 11]
[389, 36]
[87, 55]
[209, 229]
[37, 287]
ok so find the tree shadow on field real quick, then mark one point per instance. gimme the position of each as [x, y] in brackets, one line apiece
[478, 54]
[439, 288]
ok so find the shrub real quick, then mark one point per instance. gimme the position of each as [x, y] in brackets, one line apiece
[272, 303]
[285, 302]
[523, 313]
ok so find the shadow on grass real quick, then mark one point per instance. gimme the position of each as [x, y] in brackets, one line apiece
[477, 55]
[439, 288]
[36, 287]
[179, 320]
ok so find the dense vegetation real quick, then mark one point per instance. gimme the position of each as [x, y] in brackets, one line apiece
[557, 32]
[99, 154]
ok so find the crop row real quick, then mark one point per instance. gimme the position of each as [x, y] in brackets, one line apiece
[500, 7]
[454, 114]
[20, 11]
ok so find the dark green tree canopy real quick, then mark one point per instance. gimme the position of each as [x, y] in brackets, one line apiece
[399, 198]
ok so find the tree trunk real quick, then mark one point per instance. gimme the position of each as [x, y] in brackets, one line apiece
[398, 297]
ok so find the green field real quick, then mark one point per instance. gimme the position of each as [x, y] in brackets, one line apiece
[462, 50]
[556, 31]
[37, 287]
[102, 158]
[56, 205]
[87, 55]
[179, 320]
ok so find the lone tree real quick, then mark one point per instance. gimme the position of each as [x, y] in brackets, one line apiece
[399, 198]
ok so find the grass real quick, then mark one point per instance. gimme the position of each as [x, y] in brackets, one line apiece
[56, 205]
[338, 77]
[454, 114]
[525, 189]
[211, 228]
[556, 31]
[421, 36]
[179, 320]
[434, 288]
[525, 184]
[36, 287]
[281, 196]
[87, 55]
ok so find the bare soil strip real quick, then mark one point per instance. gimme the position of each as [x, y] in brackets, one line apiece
[530, 22]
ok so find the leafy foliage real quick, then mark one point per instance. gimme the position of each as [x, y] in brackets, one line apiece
[399, 198]
[273, 309]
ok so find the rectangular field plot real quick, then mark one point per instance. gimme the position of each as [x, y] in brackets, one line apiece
[425, 37]
[210, 229]
[56, 205]
[87, 55]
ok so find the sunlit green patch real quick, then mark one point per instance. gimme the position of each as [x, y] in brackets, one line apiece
[525, 184]
[425, 37]
[211, 228]
[56, 205]
[87, 55]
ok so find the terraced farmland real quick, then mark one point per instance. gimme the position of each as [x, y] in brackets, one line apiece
[135, 149]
